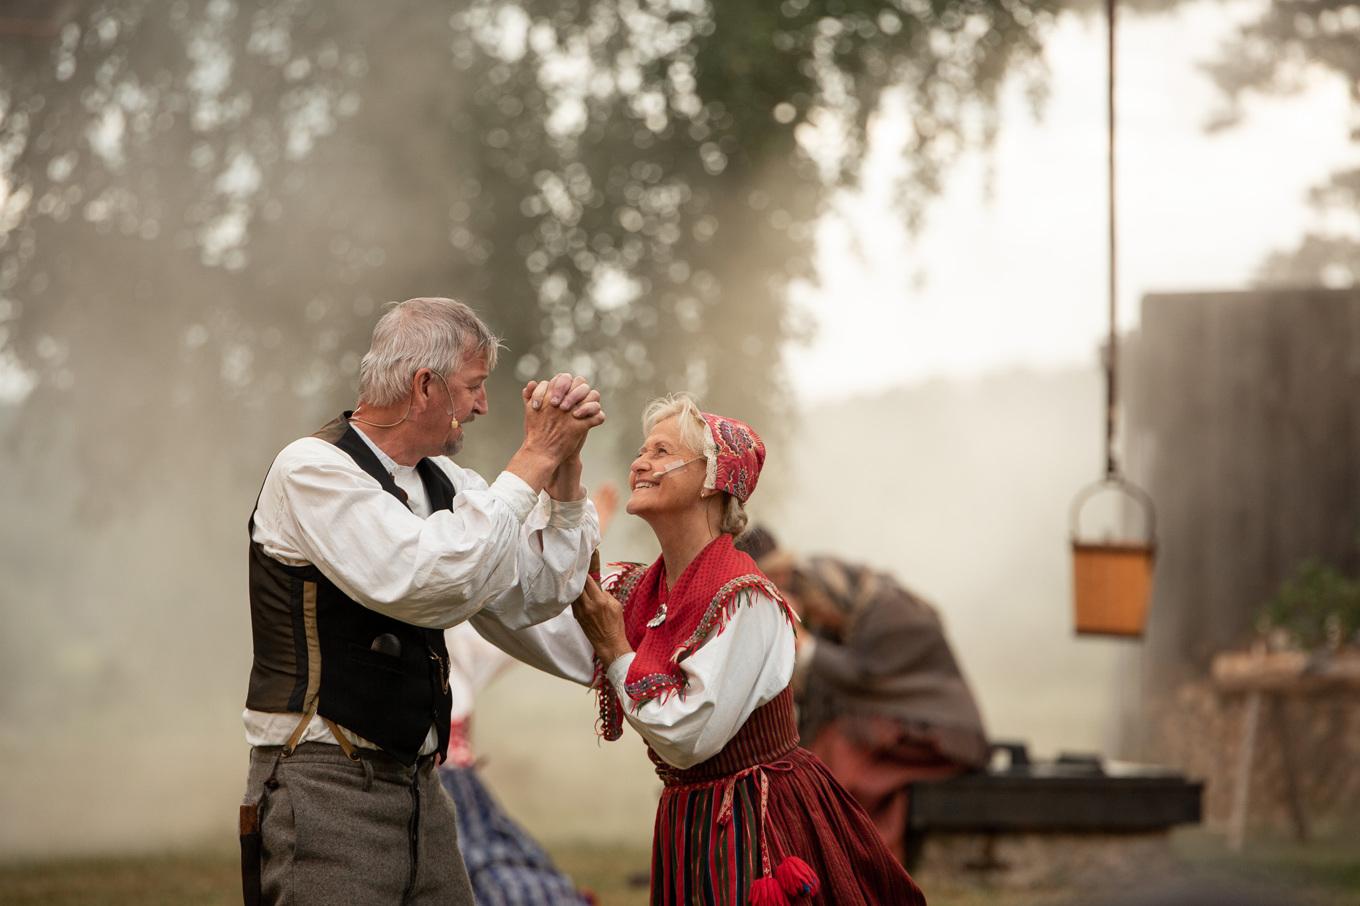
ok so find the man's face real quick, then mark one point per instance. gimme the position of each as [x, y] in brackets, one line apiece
[463, 398]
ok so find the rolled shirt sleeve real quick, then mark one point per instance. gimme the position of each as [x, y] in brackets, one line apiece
[500, 547]
[556, 541]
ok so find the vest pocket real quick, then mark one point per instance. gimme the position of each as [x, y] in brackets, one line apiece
[367, 657]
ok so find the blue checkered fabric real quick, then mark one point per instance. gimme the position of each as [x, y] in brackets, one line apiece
[506, 866]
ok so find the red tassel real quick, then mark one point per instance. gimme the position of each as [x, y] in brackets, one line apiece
[767, 892]
[797, 878]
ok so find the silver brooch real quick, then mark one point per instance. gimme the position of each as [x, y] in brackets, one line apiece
[659, 618]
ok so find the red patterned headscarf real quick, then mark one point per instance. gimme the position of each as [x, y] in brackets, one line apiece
[735, 453]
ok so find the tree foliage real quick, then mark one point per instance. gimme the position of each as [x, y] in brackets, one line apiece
[1276, 53]
[1318, 606]
[205, 202]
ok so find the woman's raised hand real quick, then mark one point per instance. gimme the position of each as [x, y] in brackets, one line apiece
[601, 617]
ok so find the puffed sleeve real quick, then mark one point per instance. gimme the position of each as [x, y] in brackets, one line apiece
[732, 674]
[555, 545]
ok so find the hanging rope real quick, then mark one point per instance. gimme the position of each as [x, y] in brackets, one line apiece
[1112, 347]
[1111, 577]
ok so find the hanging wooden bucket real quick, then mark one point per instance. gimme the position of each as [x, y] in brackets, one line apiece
[1112, 578]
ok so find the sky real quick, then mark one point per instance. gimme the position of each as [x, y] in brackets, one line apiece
[1019, 278]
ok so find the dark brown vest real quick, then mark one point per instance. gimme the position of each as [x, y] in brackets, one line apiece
[374, 675]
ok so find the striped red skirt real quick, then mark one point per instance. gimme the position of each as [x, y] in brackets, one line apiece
[765, 823]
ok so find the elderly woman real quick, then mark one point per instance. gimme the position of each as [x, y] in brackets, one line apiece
[696, 652]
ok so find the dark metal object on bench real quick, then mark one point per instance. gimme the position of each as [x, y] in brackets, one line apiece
[1075, 793]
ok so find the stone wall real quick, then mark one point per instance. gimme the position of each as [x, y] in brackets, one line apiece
[1201, 730]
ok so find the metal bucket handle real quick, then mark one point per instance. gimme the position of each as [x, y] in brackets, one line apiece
[1129, 489]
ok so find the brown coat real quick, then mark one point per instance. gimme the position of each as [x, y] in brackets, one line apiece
[882, 652]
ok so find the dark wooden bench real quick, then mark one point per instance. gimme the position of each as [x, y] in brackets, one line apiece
[1047, 819]
[1072, 794]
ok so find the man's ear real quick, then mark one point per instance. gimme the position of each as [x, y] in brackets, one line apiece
[420, 383]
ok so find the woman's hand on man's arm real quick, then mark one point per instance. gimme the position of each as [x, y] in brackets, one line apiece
[601, 617]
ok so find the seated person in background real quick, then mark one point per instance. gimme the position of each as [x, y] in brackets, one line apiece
[881, 699]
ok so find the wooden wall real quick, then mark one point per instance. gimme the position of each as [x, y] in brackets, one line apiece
[1242, 419]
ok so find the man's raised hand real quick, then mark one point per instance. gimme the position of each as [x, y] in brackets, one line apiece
[568, 393]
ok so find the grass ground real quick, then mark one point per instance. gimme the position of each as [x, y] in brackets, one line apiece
[1323, 873]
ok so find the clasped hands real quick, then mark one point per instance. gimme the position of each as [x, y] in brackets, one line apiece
[558, 414]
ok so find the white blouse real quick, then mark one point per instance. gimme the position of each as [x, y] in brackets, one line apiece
[501, 551]
[733, 673]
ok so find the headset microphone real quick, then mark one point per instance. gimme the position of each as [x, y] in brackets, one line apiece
[662, 473]
[448, 410]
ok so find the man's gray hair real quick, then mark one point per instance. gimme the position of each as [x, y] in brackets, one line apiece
[421, 333]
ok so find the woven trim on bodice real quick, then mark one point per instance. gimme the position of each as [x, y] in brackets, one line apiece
[770, 733]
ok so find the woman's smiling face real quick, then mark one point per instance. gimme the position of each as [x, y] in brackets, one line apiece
[676, 490]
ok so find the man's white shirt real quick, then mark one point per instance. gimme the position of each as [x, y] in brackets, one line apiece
[515, 557]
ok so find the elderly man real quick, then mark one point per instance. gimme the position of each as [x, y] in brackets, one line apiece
[881, 699]
[367, 541]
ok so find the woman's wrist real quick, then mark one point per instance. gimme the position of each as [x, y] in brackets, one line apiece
[610, 652]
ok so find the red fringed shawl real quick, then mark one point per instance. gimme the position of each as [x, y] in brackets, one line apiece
[666, 626]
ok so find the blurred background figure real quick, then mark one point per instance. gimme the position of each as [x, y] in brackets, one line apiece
[881, 698]
[506, 866]
[606, 500]
[504, 862]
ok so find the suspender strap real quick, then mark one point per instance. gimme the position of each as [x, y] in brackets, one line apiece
[301, 728]
[345, 745]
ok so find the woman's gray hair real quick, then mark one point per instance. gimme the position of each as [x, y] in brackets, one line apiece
[734, 516]
[421, 333]
[684, 408]
[694, 434]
